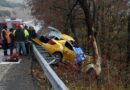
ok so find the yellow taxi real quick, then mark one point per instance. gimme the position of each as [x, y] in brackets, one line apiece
[66, 37]
[62, 46]
[62, 49]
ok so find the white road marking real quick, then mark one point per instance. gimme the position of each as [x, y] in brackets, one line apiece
[11, 62]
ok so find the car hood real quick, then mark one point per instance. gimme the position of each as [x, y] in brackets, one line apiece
[66, 37]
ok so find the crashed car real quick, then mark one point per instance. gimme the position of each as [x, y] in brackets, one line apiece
[61, 46]
[63, 49]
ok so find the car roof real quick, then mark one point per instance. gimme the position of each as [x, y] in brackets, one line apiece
[54, 32]
[53, 29]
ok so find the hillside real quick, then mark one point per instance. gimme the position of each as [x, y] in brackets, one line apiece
[13, 8]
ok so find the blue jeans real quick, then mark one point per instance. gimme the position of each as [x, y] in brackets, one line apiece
[21, 45]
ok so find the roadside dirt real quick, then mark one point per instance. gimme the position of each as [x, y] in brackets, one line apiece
[39, 75]
[74, 79]
[81, 80]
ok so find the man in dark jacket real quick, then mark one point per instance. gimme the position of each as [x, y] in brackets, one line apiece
[20, 37]
[32, 33]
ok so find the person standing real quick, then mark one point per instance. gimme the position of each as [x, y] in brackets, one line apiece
[32, 33]
[27, 39]
[5, 39]
[20, 37]
[11, 46]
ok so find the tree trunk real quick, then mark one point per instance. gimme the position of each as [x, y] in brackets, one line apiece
[91, 37]
[128, 56]
[128, 43]
[85, 7]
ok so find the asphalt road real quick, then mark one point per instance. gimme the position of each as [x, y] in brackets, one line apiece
[17, 76]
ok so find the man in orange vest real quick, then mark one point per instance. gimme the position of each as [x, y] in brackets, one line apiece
[12, 43]
[5, 36]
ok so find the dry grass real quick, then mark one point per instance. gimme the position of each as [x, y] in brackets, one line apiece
[40, 76]
[76, 80]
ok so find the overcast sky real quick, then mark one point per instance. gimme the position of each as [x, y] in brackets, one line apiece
[17, 1]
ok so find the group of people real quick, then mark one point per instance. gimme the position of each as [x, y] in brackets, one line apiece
[19, 37]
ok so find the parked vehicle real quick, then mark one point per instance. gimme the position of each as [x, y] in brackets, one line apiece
[11, 22]
[2, 24]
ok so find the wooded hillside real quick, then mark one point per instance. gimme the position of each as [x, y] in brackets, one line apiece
[108, 21]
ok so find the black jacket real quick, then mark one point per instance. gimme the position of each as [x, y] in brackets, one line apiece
[19, 35]
[32, 34]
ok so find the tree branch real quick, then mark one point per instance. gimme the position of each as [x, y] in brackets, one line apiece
[71, 10]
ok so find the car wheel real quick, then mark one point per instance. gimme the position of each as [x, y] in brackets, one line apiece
[58, 56]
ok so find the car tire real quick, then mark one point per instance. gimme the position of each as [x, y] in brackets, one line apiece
[58, 56]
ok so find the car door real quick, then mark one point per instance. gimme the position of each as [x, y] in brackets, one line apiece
[68, 53]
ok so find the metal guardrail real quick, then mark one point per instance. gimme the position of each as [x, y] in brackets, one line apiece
[55, 81]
